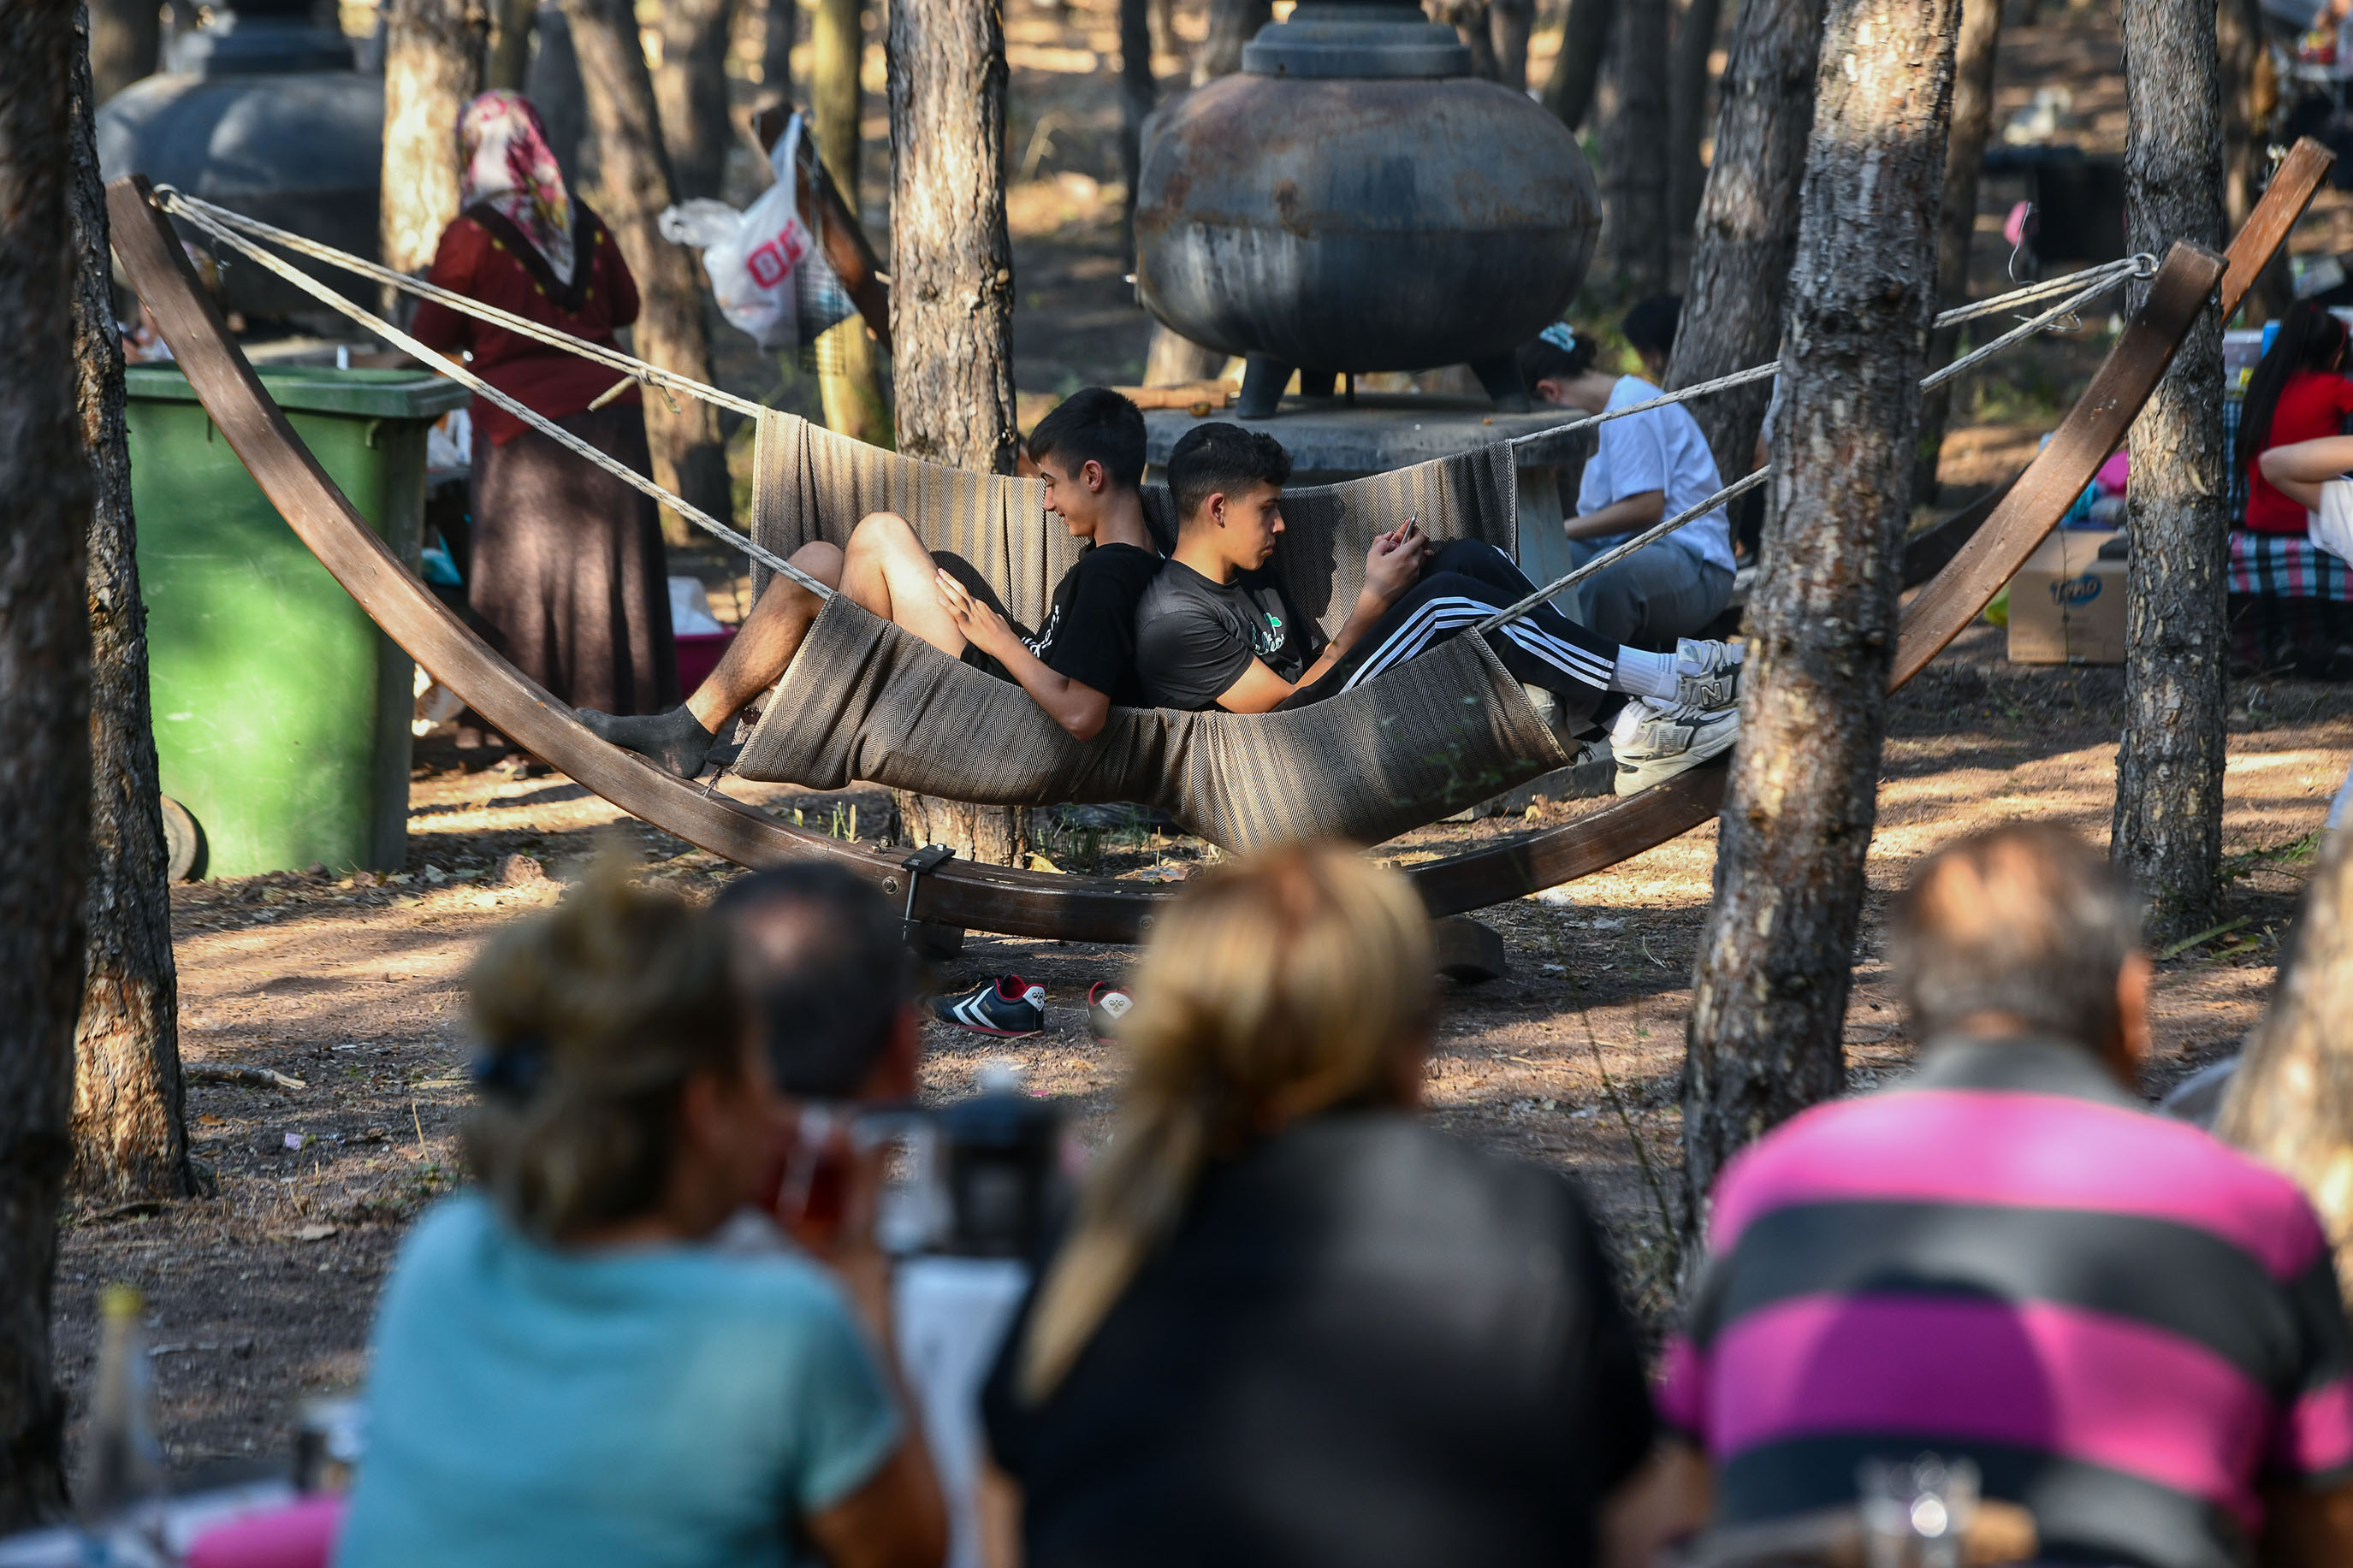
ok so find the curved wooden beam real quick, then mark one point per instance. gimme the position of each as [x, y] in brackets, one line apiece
[1022, 903]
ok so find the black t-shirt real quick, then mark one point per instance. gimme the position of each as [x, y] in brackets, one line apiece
[1194, 638]
[1368, 1344]
[1089, 630]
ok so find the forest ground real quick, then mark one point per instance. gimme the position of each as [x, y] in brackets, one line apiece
[260, 1296]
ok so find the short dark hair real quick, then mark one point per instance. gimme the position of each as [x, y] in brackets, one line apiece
[1650, 325]
[827, 970]
[2025, 920]
[1218, 459]
[1093, 424]
[1544, 358]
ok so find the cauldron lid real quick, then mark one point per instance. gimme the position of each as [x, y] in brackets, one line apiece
[1356, 38]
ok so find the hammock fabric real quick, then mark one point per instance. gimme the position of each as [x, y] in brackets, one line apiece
[864, 700]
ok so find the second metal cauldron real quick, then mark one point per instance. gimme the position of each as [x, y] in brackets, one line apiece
[1360, 222]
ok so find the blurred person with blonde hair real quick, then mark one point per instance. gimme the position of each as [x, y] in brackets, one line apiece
[566, 1369]
[1291, 1322]
[2132, 1331]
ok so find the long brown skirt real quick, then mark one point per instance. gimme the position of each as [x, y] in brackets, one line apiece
[570, 581]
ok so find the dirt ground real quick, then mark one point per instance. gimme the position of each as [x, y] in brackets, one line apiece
[352, 987]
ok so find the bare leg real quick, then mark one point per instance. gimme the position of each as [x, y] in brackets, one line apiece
[764, 644]
[887, 571]
[756, 659]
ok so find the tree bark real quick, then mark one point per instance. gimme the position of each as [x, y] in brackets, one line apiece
[1634, 153]
[987, 834]
[129, 1139]
[2291, 1103]
[2249, 96]
[432, 66]
[2168, 829]
[1137, 94]
[1747, 235]
[851, 374]
[1510, 25]
[45, 717]
[951, 260]
[1585, 30]
[552, 85]
[508, 64]
[1973, 62]
[1769, 996]
[1232, 23]
[691, 91]
[126, 41]
[1687, 83]
[780, 23]
[689, 460]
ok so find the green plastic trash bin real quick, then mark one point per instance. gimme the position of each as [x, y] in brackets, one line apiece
[281, 712]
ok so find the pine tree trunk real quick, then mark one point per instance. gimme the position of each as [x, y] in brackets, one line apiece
[1585, 30]
[552, 85]
[1138, 93]
[1232, 23]
[851, 362]
[779, 28]
[985, 835]
[129, 1139]
[126, 42]
[432, 66]
[2168, 829]
[1510, 25]
[691, 91]
[951, 260]
[2249, 98]
[689, 460]
[1634, 153]
[1769, 995]
[1747, 235]
[508, 64]
[2291, 1104]
[45, 718]
[1973, 62]
[1687, 83]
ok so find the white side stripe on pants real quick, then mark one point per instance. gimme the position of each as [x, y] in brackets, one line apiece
[1446, 613]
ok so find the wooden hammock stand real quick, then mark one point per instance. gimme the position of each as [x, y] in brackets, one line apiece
[1986, 543]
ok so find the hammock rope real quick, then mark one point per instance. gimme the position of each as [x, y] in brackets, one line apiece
[233, 228]
[174, 203]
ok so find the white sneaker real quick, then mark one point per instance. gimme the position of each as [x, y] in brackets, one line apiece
[1708, 674]
[1654, 742]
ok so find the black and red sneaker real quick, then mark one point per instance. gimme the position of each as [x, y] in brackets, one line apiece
[1003, 1006]
[1107, 1005]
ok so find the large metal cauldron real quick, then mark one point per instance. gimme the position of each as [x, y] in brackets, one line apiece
[1353, 200]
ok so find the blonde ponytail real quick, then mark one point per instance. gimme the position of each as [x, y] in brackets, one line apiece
[1275, 986]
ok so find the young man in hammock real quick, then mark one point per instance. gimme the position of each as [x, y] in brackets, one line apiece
[1089, 451]
[1216, 630]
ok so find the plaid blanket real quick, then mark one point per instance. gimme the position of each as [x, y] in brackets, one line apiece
[2282, 566]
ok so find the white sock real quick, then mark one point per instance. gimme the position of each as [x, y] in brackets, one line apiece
[1644, 674]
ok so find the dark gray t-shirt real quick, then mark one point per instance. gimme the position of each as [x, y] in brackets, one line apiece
[1194, 638]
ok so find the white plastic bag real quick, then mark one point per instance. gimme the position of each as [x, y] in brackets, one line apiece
[2331, 527]
[751, 257]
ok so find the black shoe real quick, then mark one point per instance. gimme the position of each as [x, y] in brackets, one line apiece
[1107, 1005]
[672, 741]
[1003, 1007]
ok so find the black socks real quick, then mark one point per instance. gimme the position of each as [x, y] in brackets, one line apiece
[673, 739]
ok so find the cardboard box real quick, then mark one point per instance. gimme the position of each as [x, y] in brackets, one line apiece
[2066, 604]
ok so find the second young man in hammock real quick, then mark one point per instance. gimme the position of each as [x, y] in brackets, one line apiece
[1090, 450]
[1216, 630]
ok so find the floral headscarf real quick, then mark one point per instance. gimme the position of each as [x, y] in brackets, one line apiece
[509, 166]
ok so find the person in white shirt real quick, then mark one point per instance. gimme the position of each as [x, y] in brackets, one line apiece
[1648, 466]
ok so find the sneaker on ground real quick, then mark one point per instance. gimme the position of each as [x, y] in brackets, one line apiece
[1107, 1005]
[1708, 674]
[1003, 1006]
[1654, 743]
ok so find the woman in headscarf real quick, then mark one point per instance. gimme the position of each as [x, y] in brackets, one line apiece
[569, 580]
